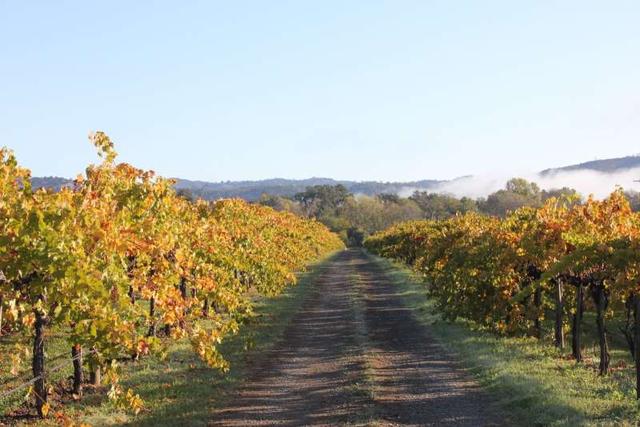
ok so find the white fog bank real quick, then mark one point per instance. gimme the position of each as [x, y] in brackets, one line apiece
[586, 182]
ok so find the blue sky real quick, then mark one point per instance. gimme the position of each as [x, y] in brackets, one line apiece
[385, 90]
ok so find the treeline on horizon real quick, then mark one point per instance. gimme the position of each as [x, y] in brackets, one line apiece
[354, 217]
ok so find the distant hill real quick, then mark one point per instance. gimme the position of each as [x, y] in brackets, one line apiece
[605, 165]
[252, 190]
[53, 182]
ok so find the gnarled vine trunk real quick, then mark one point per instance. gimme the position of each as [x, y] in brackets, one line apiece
[37, 365]
[636, 335]
[152, 315]
[629, 325]
[601, 301]
[3, 280]
[96, 376]
[1, 308]
[637, 343]
[185, 296]
[576, 327]
[205, 308]
[533, 275]
[132, 295]
[78, 378]
[95, 373]
[537, 302]
[559, 314]
[183, 288]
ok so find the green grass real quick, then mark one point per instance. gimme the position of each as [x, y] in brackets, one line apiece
[534, 383]
[58, 352]
[181, 390]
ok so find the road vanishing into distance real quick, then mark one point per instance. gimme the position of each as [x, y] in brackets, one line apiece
[355, 354]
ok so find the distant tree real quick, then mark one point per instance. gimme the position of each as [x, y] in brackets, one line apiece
[518, 192]
[441, 206]
[281, 203]
[523, 187]
[335, 222]
[388, 198]
[355, 237]
[468, 204]
[370, 214]
[561, 193]
[186, 194]
[319, 200]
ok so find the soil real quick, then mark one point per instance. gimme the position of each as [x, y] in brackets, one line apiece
[355, 354]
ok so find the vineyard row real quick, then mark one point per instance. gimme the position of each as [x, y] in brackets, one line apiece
[123, 266]
[508, 273]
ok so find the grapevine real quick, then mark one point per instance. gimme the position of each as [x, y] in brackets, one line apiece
[124, 265]
[508, 274]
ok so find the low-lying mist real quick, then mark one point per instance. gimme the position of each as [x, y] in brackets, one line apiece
[586, 182]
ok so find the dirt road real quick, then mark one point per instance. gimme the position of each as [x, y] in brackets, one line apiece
[355, 354]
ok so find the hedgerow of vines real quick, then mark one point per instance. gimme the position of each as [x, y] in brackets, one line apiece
[123, 266]
[508, 274]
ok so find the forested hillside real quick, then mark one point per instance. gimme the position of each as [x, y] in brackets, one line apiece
[354, 217]
[253, 190]
[604, 165]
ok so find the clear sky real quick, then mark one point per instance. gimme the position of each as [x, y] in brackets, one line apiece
[384, 90]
